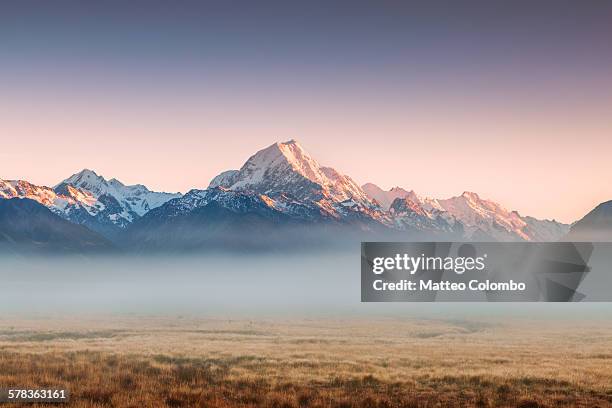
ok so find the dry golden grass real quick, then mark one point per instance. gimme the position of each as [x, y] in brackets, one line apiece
[140, 362]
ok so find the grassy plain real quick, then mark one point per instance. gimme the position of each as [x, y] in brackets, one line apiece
[191, 362]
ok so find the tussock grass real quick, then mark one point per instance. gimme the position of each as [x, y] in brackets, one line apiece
[321, 364]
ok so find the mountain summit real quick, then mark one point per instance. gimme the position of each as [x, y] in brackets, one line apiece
[280, 191]
[86, 198]
[480, 218]
[286, 168]
[384, 198]
[135, 200]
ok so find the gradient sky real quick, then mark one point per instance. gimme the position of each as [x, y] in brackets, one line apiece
[511, 99]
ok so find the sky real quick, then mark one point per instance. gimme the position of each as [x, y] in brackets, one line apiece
[512, 100]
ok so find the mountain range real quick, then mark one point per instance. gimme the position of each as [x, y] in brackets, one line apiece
[281, 197]
[481, 219]
[85, 198]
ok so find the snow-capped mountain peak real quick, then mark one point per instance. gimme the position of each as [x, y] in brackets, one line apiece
[24, 189]
[285, 181]
[486, 215]
[470, 195]
[58, 202]
[279, 157]
[88, 198]
[117, 184]
[286, 168]
[85, 174]
[387, 198]
[382, 197]
[422, 214]
[224, 179]
[481, 218]
[86, 178]
[134, 200]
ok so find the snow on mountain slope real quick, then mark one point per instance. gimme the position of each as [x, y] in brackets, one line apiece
[343, 187]
[545, 230]
[23, 189]
[56, 202]
[487, 216]
[284, 179]
[384, 198]
[479, 217]
[70, 203]
[224, 179]
[286, 168]
[413, 212]
[88, 199]
[134, 201]
[231, 200]
[236, 201]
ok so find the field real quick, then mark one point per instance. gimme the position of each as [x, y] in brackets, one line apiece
[185, 362]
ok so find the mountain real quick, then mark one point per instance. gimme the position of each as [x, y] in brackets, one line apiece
[76, 205]
[283, 194]
[125, 203]
[481, 216]
[58, 203]
[222, 219]
[85, 198]
[385, 198]
[27, 226]
[286, 168]
[281, 197]
[595, 226]
[480, 219]
[545, 230]
[418, 214]
[212, 218]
